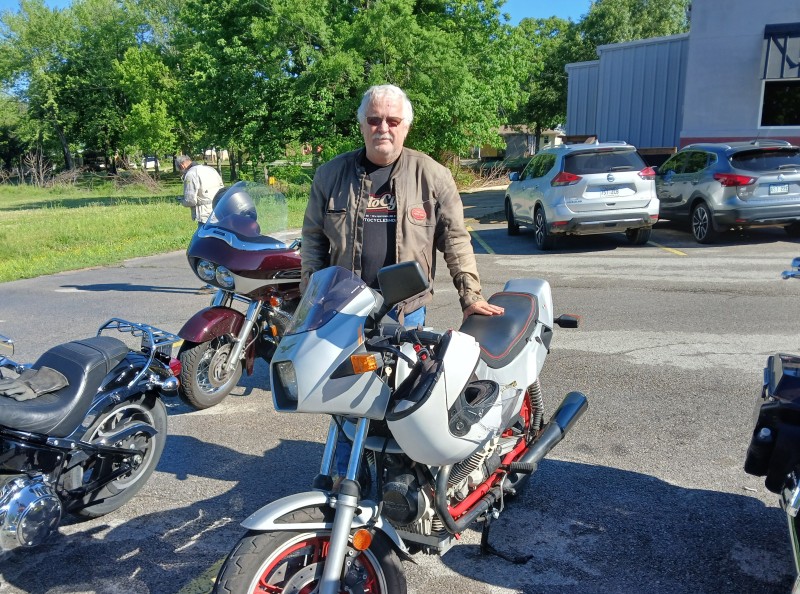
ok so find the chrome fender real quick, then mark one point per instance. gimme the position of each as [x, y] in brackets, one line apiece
[266, 518]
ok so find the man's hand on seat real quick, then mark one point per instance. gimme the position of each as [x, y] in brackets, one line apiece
[483, 308]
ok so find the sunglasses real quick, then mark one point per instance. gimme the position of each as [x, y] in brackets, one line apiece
[391, 122]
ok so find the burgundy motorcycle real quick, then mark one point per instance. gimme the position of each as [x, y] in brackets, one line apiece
[257, 278]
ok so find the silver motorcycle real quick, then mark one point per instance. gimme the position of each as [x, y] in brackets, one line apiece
[443, 426]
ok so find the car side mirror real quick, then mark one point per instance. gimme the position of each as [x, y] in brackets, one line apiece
[513, 176]
[399, 282]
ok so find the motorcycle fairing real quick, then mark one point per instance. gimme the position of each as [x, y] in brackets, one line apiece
[268, 518]
[317, 354]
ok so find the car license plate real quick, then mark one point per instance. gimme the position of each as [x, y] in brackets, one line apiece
[611, 192]
[778, 189]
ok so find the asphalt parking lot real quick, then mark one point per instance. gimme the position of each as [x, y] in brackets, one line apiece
[646, 493]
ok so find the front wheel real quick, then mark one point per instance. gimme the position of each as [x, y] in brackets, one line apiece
[204, 382]
[284, 562]
[513, 227]
[148, 410]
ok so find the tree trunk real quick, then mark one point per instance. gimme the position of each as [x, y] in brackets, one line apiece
[232, 161]
[68, 162]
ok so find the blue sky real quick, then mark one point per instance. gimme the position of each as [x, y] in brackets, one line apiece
[518, 9]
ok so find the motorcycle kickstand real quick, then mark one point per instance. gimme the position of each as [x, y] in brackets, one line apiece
[487, 549]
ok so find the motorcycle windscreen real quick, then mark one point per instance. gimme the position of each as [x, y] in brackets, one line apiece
[249, 210]
[329, 291]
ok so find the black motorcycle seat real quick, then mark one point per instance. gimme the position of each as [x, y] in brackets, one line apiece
[501, 338]
[85, 364]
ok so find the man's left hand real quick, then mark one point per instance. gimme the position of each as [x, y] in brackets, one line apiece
[483, 308]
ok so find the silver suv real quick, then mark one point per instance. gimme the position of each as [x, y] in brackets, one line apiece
[583, 189]
[720, 186]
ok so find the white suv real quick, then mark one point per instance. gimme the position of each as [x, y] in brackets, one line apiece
[583, 189]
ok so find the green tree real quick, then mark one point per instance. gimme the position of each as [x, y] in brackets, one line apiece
[35, 42]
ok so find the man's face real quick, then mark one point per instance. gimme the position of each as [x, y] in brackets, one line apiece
[384, 130]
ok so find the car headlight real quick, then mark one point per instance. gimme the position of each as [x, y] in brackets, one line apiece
[288, 379]
[206, 270]
[224, 277]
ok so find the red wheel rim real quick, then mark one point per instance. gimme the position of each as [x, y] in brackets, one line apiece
[308, 551]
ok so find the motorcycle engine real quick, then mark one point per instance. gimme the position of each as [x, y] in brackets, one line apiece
[29, 511]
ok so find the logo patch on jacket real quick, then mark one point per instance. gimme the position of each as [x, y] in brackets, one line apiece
[418, 214]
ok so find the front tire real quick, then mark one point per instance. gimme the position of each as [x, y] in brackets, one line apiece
[513, 227]
[203, 381]
[147, 409]
[703, 224]
[293, 562]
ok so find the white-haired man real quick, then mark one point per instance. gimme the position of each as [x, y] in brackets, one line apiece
[386, 203]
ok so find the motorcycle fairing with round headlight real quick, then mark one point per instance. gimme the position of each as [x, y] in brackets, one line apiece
[439, 415]
[317, 353]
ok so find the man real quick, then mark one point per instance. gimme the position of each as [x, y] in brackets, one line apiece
[200, 184]
[385, 204]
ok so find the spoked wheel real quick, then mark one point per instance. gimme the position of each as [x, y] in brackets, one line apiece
[128, 414]
[702, 224]
[544, 239]
[292, 563]
[204, 382]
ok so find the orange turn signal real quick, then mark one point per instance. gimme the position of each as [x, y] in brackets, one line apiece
[274, 330]
[362, 539]
[364, 363]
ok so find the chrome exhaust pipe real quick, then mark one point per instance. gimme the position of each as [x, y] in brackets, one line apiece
[568, 412]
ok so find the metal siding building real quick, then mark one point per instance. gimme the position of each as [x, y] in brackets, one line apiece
[725, 80]
[625, 95]
[581, 95]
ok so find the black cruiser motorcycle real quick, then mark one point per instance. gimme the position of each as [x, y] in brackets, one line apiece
[82, 429]
[774, 450]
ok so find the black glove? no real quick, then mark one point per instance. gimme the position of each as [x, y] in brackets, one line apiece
[32, 383]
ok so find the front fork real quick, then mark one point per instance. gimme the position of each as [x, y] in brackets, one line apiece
[250, 319]
[345, 504]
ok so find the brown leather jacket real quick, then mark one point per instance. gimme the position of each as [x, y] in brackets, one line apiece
[429, 215]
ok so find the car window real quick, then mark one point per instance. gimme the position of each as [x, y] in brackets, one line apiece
[673, 165]
[603, 162]
[695, 161]
[544, 165]
[526, 173]
[766, 160]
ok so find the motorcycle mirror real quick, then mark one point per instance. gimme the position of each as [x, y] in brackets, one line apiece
[567, 321]
[401, 281]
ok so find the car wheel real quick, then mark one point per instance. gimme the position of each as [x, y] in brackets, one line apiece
[544, 239]
[639, 236]
[793, 230]
[703, 224]
[513, 227]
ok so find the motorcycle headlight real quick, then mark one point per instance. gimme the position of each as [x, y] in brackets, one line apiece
[206, 270]
[224, 277]
[288, 379]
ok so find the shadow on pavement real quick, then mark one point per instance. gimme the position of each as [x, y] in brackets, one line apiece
[128, 287]
[587, 532]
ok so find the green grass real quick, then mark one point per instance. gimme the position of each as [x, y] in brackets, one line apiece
[44, 231]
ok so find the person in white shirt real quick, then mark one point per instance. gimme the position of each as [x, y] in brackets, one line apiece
[200, 184]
